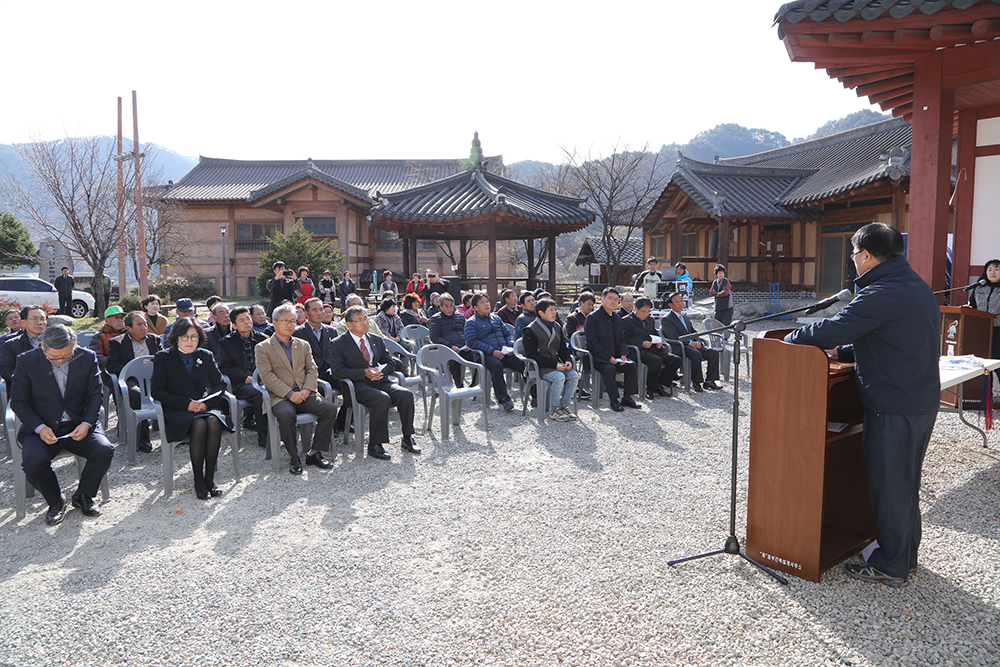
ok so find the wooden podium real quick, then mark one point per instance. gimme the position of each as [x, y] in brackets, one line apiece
[808, 506]
[966, 331]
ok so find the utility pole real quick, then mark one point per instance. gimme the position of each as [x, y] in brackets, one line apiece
[140, 231]
[120, 220]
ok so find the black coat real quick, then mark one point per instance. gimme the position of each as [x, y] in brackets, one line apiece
[35, 398]
[120, 351]
[320, 347]
[9, 353]
[546, 362]
[605, 337]
[281, 290]
[346, 362]
[175, 388]
[672, 329]
[638, 331]
[232, 361]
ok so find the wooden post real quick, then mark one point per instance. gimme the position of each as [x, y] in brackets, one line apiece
[463, 259]
[530, 245]
[552, 264]
[961, 254]
[723, 249]
[492, 284]
[930, 171]
[407, 269]
[678, 240]
[413, 254]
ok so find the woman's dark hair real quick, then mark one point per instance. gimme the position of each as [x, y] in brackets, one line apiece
[409, 300]
[181, 326]
[544, 305]
[386, 304]
[150, 299]
[680, 266]
[721, 267]
[880, 240]
[466, 298]
[987, 265]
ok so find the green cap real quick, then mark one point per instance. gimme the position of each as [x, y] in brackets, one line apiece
[114, 310]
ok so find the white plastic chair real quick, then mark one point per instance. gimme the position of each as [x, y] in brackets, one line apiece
[434, 361]
[417, 380]
[418, 334]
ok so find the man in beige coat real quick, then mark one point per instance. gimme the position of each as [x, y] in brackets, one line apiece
[289, 373]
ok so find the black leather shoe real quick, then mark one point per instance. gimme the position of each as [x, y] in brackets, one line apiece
[617, 407]
[56, 512]
[378, 452]
[649, 395]
[295, 466]
[262, 438]
[250, 424]
[667, 391]
[86, 505]
[697, 388]
[145, 445]
[202, 494]
[714, 385]
[660, 390]
[584, 395]
[410, 445]
[318, 461]
[629, 402]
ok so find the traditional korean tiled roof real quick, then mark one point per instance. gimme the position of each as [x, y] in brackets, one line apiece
[475, 193]
[594, 250]
[869, 10]
[214, 179]
[727, 191]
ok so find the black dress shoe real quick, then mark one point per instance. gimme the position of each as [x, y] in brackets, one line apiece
[660, 390]
[250, 424]
[713, 385]
[56, 512]
[318, 461]
[584, 394]
[202, 494]
[410, 445]
[697, 388]
[667, 391]
[649, 395]
[295, 466]
[629, 402]
[214, 491]
[86, 505]
[262, 438]
[145, 445]
[378, 452]
[617, 407]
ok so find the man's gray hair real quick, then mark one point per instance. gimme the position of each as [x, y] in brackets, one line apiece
[57, 336]
[352, 299]
[446, 296]
[354, 310]
[281, 310]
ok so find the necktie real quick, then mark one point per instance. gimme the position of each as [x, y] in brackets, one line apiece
[364, 352]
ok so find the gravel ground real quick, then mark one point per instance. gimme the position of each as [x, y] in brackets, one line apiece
[525, 545]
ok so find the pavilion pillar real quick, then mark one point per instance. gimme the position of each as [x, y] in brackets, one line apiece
[723, 249]
[463, 259]
[530, 245]
[930, 171]
[678, 241]
[491, 286]
[412, 250]
[407, 268]
[552, 264]
[961, 254]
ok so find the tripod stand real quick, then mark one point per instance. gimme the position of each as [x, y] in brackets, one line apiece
[732, 544]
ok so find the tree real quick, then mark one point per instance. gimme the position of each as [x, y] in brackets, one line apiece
[731, 140]
[297, 248]
[16, 248]
[71, 193]
[621, 188]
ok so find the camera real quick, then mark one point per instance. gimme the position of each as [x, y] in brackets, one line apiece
[288, 273]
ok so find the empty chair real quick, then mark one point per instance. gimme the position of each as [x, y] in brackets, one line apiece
[433, 360]
[417, 334]
[402, 380]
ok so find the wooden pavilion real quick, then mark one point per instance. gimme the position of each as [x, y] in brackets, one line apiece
[479, 205]
[936, 63]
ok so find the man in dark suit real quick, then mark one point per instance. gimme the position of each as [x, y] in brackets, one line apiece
[56, 393]
[358, 356]
[606, 341]
[318, 335]
[135, 342]
[237, 361]
[222, 327]
[639, 331]
[33, 319]
[676, 324]
[64, 286]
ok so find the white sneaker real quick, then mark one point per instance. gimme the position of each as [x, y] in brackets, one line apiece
[570, 417]
[555, 415]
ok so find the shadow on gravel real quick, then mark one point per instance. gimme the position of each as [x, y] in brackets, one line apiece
[578, 446]
[960, 508]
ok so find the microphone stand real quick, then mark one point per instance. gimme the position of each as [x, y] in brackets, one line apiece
[732, 545]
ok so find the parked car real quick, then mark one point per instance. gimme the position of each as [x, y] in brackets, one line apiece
[27, 290]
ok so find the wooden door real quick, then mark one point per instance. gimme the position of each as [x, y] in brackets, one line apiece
[776, 246]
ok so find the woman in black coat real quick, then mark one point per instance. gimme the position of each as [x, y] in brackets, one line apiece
[182, 375]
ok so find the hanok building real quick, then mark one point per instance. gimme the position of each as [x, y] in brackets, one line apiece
[244, 203]
[630, 259]
[784, 216]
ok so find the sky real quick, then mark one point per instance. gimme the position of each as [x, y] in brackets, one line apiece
[350, 80]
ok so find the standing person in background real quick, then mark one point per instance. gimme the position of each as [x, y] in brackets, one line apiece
[722, 290]
[151, 311]
[345, 288]
[682, 274]
[388, 286]
[64, 286]
[326, 289]
[304, 287]
[987, 298]
[281, 287]
[892, 332]
[435, 285]
[416, 285]
[648, 281]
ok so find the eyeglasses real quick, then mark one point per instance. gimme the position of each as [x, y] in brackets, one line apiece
[59, 359]
[284, 321]
[190, 338]
[856, 252]
[37, 319]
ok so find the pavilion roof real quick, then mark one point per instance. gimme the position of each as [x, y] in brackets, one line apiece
[471, 195]
[215, 179]
[594, 251]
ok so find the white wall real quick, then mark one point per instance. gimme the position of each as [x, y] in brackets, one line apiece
[986, 208]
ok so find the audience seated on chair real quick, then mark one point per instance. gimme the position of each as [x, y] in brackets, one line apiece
[183, 308]
[13, 320]
[56, 393]
[485, 332]
[676, 324]
[363, 359]
[237, 361]
[114, 326]
[545, 342]
[663, 365]
[259, 318]
[575, 320]
[135, 342]
[220, 329]
[509, 310]
[355, 300]
[606, 341]
[318, 335]
[33, 319]
[527, 316]
[448, 328]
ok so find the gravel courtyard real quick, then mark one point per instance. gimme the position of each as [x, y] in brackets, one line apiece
[524, 545]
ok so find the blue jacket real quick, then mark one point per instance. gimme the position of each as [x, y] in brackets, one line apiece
[486, 333]
[444, 330]
[523, 320]
[894, 323]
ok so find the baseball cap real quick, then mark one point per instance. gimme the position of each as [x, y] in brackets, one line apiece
[184, 305]
[114, 310]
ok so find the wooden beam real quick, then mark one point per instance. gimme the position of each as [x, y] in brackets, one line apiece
[952, 33]
[976, 63]
[530, 247]
[891, 70]
[552, 263]
[828, 56]
[903, 110]
[986, 28]
[893, 102]
[964, 198]
[894, 83]
[930, 172]
[878, 98]
[856, 80]
[492, 283]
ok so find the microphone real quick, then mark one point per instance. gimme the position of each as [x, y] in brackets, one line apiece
[843, 295]
[982, 281]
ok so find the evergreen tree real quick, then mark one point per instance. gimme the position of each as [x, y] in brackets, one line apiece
[16, 248]
[297, 248]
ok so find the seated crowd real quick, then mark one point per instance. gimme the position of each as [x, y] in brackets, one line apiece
[303, 347]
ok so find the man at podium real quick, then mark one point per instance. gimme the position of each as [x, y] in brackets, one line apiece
[894, 323]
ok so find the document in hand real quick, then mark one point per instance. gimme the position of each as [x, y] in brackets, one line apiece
[655, 340]
[211, 396]
[623, 360]
[506, 349]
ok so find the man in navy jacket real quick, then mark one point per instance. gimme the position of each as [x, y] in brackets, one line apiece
[448, 328]
[895, 325]
[606, 342]
[484, 331]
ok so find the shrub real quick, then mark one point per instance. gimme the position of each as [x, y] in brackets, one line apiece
[171, 288]
[130, 303]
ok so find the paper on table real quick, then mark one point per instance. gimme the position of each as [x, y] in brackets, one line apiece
[655, 340]
[506, 349]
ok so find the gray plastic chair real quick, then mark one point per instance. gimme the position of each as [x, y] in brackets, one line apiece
[305, 421]
[726, 346]
[578, 344]
[23, 490]
[417, 380]
[534, 377]
[434, 361]
[140, 369]
[643, 369]
[418, 334]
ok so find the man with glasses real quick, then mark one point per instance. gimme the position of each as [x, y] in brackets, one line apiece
[362, 358]
[289, 373]
[56, 393]
[34, 320]
[136, 342]
[237, 361]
